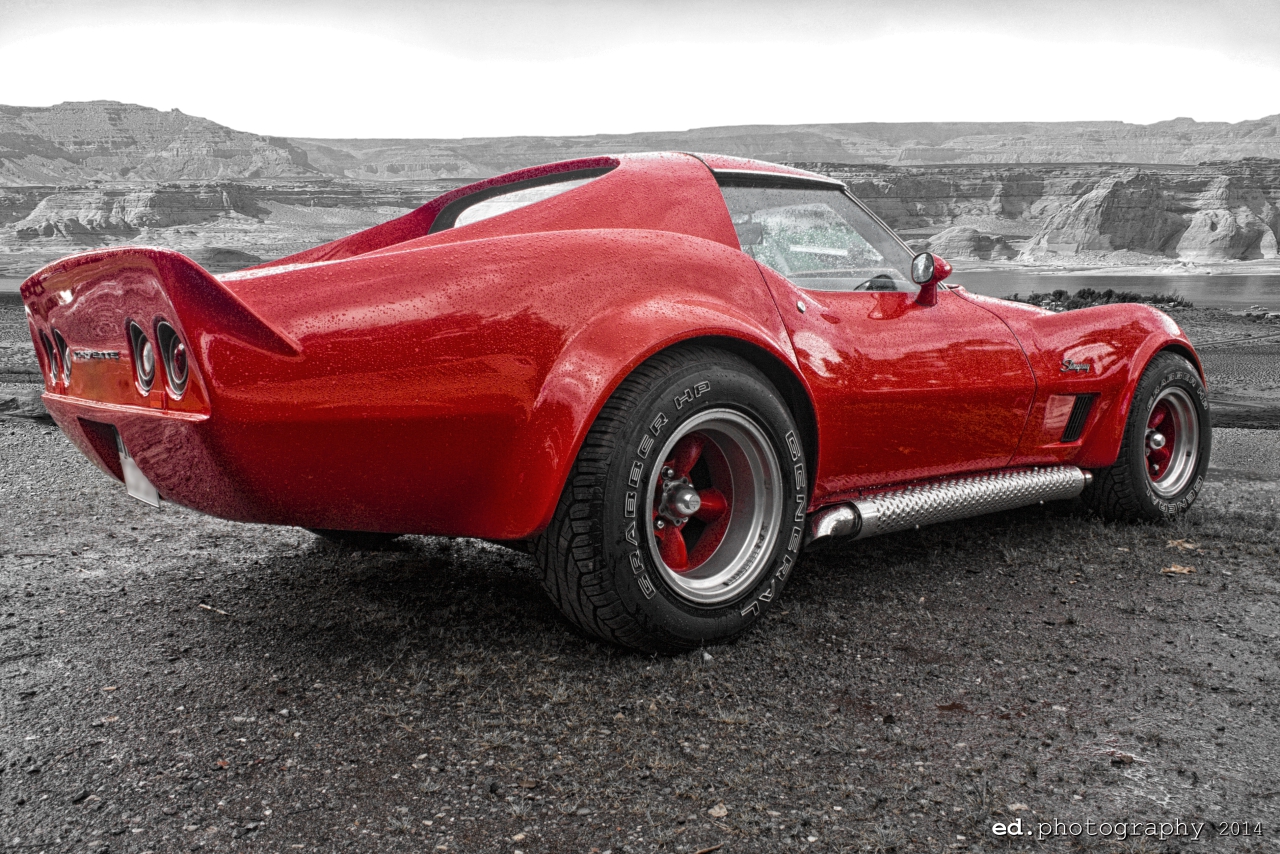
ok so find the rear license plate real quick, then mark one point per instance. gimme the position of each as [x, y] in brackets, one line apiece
[134, 480]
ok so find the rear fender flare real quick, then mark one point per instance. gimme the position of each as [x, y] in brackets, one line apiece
[586, 374]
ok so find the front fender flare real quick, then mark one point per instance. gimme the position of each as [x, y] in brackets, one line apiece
[1102, 447]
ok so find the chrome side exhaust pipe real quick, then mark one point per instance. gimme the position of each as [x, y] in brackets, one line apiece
[946, 501]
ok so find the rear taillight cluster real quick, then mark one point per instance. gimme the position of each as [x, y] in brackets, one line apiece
[173, 356]
[151, 352]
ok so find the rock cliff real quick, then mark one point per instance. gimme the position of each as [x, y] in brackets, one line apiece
[1179, 141]
[1226, 211]
[110, 141]
[961, 243]
[1221, 212]
[85, 174]
[104, 215]
[1126, 211]
[224, 225]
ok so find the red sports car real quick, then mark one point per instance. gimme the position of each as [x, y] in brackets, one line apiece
[662, 373]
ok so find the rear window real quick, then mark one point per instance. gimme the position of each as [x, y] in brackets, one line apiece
[491, 202]
[817, 236]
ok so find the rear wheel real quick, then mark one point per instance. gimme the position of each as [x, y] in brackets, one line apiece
[1165, 450]
[684, 512]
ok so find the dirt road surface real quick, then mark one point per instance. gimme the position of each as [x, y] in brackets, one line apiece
[173, 682]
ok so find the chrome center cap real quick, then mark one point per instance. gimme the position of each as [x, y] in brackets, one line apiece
[1155, 440]
[684, 500]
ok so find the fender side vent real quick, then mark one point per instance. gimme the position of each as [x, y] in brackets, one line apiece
[1079, 415]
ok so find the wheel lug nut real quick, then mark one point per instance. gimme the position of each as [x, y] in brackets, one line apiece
[668, 472]
[660, 524]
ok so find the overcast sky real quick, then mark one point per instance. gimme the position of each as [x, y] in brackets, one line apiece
[392, 68]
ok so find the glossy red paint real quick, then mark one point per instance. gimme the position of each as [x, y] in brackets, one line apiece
[905, 391]
[442, 383]
[418, 223]
[1116, 342]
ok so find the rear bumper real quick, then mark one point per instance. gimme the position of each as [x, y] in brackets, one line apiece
[172, 449]
[277, 466]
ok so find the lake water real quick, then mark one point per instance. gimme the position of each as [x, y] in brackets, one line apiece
[1217, 291]
[1204, 291]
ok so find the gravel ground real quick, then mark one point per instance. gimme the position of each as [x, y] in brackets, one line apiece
[173, 682]
[1241, 358]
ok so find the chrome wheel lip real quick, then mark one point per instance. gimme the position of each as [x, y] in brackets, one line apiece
[758, 498]
[1185, 453]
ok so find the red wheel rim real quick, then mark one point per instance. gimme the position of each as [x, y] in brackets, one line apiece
[1162, 424]
[686, 541]
[716, 497]
[1171, 446]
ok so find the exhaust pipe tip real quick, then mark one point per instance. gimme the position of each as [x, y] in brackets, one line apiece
[843, 520]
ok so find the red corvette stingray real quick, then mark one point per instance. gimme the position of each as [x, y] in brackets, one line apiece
[665, 373]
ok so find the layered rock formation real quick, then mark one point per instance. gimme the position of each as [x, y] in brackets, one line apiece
[110, 141]
[1201, 216]
[1211, 212]
[1181, 141]
[961, 243]
[1126, 211]
[1237, 216]
[223, 226]
[101, 172]
[99, 216]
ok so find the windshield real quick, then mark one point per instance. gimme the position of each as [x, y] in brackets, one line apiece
[817, 237]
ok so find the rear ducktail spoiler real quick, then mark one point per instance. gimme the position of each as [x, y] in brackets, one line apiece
[84, 293]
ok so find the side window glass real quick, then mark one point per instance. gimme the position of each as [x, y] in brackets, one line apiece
[514, 200]
[493, 201]
[817, 237]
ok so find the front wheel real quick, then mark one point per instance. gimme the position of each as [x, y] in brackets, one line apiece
[1165, 451]
[684, 512]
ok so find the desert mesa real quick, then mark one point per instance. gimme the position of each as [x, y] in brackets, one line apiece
[1172, 195]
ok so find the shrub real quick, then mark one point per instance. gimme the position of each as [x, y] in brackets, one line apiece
[1062, 300]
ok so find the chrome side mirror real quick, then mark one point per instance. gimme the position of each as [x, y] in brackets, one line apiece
[922, 268]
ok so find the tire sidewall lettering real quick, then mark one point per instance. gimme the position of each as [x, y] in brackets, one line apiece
[695, 392]
[1190, 382]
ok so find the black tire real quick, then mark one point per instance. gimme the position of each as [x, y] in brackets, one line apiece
[604, 558]
[364, 541]
[1138, 487]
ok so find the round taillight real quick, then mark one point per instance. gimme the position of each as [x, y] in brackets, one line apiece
[144, 358]
[179, 360]
[174, 354]
[50, 356]
[64, 354]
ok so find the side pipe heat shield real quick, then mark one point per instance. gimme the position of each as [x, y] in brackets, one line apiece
[946, 501]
